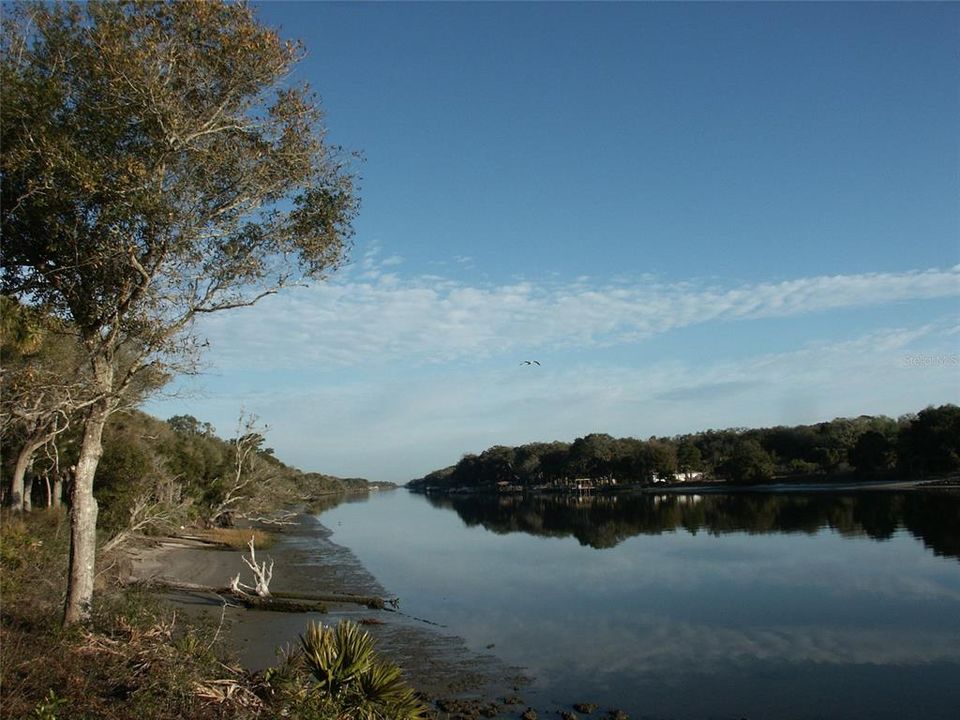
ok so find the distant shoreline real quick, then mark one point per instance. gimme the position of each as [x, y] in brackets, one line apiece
[833, 484]
[823, 486]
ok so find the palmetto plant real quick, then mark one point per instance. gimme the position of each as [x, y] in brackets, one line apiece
[336, 656]
[346, 668]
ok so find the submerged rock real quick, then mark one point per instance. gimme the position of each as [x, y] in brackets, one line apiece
[586, 708]
[529, 714]
[459, 709]
[567, 715]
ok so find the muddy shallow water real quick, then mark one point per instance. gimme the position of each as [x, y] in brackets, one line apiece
[434, 659]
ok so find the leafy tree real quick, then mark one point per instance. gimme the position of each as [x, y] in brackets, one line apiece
[931, 442]
[749, 463]
[873, 451]
[496, 465]
[125, 466]
[632, 461]
[689, 458]
[661, 457]
[554, 461]
[156, 165]
[592, 456]
[189, 425]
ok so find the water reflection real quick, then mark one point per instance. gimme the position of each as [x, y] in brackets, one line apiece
[604, 521]
[786, 607]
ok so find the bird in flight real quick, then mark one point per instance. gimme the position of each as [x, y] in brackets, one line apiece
[530, 362]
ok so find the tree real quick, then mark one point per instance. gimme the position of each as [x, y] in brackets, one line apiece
[661, 458]
[245, 474]
[591, 456]
[750, 463]
[689, 458]
[157, 165]
[43, 386]
[931, 442]
[873, 451]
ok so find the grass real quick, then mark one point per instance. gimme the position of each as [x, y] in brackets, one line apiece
[235, 537]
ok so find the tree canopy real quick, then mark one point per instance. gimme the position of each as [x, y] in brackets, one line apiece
[157, 165]
[923, 444]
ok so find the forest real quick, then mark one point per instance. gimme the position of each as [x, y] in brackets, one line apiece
[921, 445]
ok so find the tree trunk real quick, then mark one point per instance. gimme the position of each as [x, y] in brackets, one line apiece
[28, 493]
[57, 496]
[17, 484]
[83, 517]
[83, 510]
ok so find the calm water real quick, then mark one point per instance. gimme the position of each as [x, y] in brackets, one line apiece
[812, 606]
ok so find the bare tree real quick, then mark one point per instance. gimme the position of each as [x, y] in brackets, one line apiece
[158, 506]
[157, 165]
[245, 472]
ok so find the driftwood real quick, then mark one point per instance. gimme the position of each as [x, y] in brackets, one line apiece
[262, 573]
[277, 601]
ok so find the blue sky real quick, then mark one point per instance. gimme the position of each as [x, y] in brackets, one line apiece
[694, 215]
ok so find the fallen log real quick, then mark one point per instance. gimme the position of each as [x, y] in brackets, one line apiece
[278, 601]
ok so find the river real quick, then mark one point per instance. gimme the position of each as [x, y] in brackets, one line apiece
[720, 606]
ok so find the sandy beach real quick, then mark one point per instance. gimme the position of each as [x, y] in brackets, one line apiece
[434, 660]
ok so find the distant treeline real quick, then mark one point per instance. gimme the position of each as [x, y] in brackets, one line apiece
[921, 445]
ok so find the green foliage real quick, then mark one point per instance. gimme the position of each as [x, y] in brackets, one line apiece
[123, 473]
[873, 451]
[930, 443]
[346, 669]
[926, 443]
[749, 463]
[49, 707]
[689, 457]
[32, 555]
[177, 470]
[337, 656]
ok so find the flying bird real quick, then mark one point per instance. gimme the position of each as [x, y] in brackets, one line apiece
[530, 362]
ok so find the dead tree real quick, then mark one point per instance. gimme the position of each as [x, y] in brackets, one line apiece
[262, 574]
[245, 470]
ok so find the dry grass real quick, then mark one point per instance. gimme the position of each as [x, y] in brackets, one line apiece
[237, 538]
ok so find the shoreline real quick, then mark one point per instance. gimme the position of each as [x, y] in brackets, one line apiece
[435, 661]
[950, 482]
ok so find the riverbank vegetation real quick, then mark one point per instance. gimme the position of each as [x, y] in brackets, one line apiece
[921, 445]
[137, 658]
[156, 476]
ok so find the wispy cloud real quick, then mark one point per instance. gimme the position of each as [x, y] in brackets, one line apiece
[390, 376]
[406, 423]
[373, 316]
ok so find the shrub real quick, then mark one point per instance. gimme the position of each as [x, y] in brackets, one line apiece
[347, 670]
